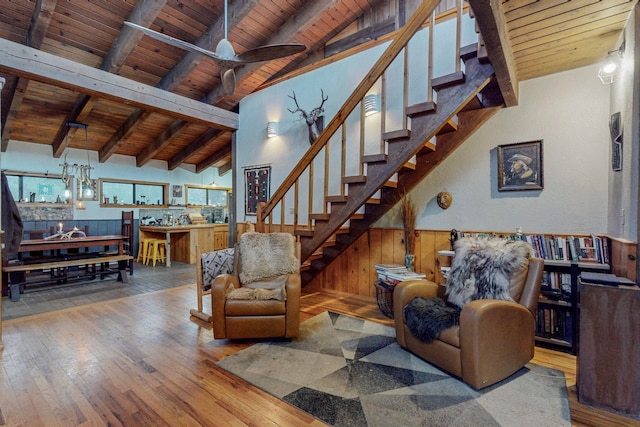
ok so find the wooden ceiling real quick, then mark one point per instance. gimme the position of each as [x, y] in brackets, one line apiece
[540, 37]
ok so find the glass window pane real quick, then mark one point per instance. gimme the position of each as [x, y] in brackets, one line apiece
[42, 189]
[218, 197]
[149, 194]
[120, 191]
[14, 186]
[196, 196]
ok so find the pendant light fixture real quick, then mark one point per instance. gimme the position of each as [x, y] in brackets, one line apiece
[84, 170]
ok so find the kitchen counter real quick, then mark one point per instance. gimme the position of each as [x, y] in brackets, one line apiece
[183, 239]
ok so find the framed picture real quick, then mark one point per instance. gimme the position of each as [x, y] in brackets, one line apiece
[177, 191]
[256, 181]
[615, 127]
[520, 166]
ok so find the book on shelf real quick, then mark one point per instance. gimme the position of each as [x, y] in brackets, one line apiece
[587, 248]
[389, 267]
[396, 276]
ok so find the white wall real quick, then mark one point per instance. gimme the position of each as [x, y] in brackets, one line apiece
[623, 185]
[337, 80]
[569, 111]
[38, 158]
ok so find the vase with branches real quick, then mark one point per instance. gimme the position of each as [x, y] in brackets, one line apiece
[408, 213]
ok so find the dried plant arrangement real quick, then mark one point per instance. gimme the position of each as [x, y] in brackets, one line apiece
[408, 213]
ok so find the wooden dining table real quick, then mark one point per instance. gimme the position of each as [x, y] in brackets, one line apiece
[59, 244]
[61, 253]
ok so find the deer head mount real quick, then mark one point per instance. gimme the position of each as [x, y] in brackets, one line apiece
[310, 117]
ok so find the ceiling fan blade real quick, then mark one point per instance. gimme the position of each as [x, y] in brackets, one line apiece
[269, 52]
[175, 42]
[228, 77]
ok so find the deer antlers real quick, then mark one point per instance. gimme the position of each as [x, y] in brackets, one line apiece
[314, 114]
[312, 117]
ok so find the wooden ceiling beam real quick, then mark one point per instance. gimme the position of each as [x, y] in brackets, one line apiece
[491, 21]
[299, 22]
[192, 148]
[39, 23]
[44, 67]
[214, 158]
[225, 168]
[303, 18]
[186, 65]
[161, 142]
[143, 14]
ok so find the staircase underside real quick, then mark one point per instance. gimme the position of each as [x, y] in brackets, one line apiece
[465, 101]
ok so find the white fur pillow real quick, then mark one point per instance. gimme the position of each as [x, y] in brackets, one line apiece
[483, 268]
[265, 255]
[278, 293]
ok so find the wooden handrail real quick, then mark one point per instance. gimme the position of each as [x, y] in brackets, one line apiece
[411, 27]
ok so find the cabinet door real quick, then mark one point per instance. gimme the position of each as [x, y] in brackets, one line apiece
[220, 239]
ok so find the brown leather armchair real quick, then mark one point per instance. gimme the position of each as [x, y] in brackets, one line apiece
[245, 305]
[494, 339]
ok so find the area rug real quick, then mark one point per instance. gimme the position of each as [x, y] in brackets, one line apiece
[350, 372]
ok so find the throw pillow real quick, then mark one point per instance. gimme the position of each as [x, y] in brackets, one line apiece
[264, 255]
[483, 268]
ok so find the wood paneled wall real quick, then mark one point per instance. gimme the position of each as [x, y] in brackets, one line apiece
[354, 271]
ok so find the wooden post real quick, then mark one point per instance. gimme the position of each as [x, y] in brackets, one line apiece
[260, 220]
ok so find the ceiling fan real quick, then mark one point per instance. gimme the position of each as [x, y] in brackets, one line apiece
[224, 55]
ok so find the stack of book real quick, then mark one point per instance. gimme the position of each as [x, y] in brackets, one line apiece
[393, 274]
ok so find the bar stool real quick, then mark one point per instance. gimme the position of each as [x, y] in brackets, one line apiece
[143, 250]
[156, 251]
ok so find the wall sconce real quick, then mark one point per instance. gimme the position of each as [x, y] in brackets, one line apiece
[272, 129]
[371, 104]
[610, 69]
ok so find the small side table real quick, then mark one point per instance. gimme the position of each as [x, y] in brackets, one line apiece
[384, 297]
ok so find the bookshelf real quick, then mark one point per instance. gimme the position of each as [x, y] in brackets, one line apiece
[565, 258]
[557, 322]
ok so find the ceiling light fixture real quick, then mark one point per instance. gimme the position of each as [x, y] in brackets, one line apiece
[85, 170]
[610, 69]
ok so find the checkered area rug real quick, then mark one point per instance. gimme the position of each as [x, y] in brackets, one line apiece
[351, 372]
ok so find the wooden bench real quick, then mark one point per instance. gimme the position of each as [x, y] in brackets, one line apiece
[103, 261]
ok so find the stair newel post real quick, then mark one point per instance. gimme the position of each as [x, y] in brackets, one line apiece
[295, 203]
[260, 227]
[282, 211]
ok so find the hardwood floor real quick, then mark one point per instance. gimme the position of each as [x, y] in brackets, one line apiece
[142, 360]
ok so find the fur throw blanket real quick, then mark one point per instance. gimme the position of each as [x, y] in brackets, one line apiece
[266, 255]
[482, 268]
[427, 317]
[278, 293]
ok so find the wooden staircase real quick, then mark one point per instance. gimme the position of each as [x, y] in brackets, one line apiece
[465, 100]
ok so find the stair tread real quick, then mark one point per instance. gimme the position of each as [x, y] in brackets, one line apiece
[421, 109]
[448, 80]
[396, 135]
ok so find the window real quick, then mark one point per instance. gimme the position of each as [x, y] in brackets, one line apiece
[117, 193]
[207, 195]
[38, 188]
